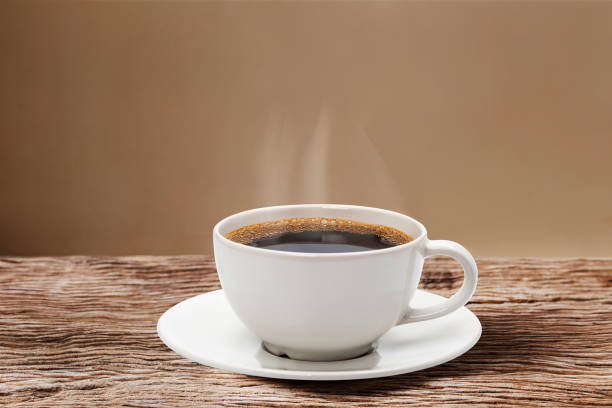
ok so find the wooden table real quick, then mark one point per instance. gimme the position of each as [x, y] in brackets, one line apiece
[80, 331]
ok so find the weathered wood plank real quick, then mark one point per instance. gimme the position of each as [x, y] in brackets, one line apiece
[81, 331]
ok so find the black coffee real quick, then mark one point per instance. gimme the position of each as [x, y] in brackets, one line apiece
[319, 235]
[322, 242]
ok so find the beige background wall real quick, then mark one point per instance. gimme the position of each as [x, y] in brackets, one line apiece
[132, 127]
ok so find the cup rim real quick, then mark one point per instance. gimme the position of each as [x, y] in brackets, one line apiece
[262, 251]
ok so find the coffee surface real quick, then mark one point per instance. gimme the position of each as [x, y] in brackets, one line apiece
[319, 235]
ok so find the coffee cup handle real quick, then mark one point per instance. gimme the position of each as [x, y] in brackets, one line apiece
[470, 277]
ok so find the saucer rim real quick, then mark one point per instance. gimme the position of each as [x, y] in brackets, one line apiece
[326, 375]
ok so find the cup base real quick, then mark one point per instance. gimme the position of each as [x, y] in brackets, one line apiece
[319, 355]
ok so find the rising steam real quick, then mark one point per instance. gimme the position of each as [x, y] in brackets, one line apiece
[295, 164]
[314, 165]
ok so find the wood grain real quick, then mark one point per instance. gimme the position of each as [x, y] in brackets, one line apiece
[80, 331]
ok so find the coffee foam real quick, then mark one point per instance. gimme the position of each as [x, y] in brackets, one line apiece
[268, 229]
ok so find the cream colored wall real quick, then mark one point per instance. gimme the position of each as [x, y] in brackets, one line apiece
[132, 127]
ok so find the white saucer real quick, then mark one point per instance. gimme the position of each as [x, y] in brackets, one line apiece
[206, 330]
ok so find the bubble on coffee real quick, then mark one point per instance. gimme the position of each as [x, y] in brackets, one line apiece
[319, 235]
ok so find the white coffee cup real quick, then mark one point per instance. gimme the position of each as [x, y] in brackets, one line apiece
[330, 306]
